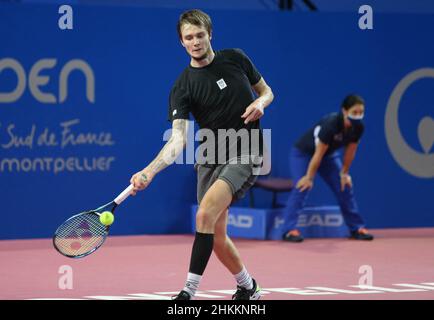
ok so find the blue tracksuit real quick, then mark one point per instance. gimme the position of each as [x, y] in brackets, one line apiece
[329, 130]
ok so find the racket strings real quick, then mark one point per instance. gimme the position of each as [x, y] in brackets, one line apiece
[80, 235]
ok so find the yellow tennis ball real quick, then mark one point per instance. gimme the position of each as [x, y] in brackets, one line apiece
[106, 218]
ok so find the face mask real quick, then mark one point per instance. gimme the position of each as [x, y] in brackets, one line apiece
[356, 120]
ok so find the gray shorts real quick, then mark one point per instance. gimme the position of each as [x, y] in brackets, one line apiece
[240, 178]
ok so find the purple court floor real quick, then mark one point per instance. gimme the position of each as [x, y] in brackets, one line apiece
[398, 264]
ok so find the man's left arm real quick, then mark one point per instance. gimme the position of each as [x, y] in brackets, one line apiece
[256, 109]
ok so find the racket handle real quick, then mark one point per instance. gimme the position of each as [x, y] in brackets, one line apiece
[124, 194]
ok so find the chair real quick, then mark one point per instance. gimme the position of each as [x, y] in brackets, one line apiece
[275, 185]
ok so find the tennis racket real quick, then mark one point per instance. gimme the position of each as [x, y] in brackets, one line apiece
[83, 234]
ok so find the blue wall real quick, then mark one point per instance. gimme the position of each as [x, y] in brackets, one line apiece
[310, 61]
[395, 6]
[379, 6]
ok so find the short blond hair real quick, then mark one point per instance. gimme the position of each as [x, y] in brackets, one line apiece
[195, 17]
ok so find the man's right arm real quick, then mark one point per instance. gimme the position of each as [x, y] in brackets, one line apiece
[165, 157]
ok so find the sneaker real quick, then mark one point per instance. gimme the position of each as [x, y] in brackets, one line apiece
[183, 295]
[245, 294]
[361, 234]
[293, 236]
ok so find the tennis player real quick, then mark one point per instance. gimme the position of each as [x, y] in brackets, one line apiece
[216, 88]
[316, 152]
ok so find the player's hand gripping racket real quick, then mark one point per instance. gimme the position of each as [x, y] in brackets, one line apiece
[83, 233]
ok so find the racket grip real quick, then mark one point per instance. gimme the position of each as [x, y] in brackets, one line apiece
[124, 194]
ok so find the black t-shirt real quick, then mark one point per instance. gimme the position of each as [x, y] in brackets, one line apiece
[217, 94]
[329, 130]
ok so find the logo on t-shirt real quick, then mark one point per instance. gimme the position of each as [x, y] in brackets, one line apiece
[222, 84]
[338, 137]
[174, 112]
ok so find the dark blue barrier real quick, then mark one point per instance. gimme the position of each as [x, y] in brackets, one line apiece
[88, 108]
[269, 224]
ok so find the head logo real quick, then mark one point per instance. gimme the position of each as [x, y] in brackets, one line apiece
[240, 221]
[418, 164]
[326, 220]
[36, 80]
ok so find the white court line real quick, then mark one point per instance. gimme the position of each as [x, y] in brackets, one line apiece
[386, 289]
[417, 286]
[344, 291]
[307, 291]
[201, 294]
[297, 291]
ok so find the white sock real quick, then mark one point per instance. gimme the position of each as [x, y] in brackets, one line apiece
[244, 279]
[192, 283]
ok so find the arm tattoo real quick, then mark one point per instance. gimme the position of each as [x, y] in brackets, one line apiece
[172, 148]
